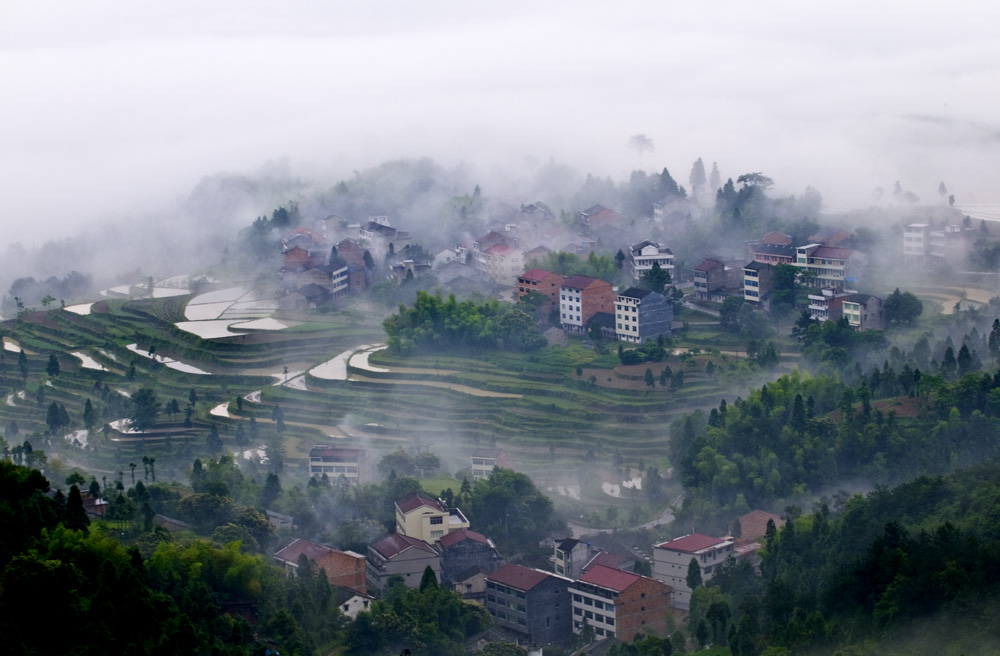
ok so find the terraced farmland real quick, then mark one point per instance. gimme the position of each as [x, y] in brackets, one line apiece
[536, 406]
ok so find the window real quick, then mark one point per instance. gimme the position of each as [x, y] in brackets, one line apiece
[437, 520]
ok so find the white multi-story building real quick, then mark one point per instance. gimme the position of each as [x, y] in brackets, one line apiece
[672, 559]
[643, 255]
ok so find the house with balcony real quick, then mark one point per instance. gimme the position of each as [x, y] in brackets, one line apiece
[580, 297]
[342, 568]
[825, 306]
[643, 255]
[671, 560]
[714, 280]
[642, 315]
[349, 465]
[428, 519]
[530, 605]
[620, 604]
[829, 266]
[923, 243]
[399, 555]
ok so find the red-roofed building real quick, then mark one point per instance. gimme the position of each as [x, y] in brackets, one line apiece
[530, 604]
[753, 525]
[463, 549]
[343, 568]
[617, 603]
[498, 256]
[612, 560]
[580, 298]
[399, 555]
[672, 559]
[426, 518]
[543, 282]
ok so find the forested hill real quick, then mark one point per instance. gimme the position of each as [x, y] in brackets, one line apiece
[909, 570]
[800, 436]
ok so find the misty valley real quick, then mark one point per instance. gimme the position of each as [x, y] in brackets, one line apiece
[433, 410]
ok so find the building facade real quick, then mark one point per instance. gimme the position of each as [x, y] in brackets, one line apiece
[342, 568]
[641, 315]
[399, 555]
[620, 604]
[671, 560]
[531, 604]
[580, 297]
[643, 255]
[351, 464]
[428, 519]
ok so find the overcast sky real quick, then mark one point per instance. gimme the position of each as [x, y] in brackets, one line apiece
[110, 107]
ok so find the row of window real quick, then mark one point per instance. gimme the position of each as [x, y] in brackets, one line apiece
[571, 317]
[596, 617]
[634, 328]
[499, 614]
[571, 298]
[503, 589]
[619, 306]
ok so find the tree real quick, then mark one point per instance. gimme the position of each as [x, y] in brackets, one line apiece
[693, 578]
[784, 288]
[145, 408]
[640, 143]
[902, 307]
[76, 515]
[729, 313]
[655, 279]
[22, 364]
[714, 178]
[648, 377]
[369, 261]
[428, 579]
[192, 397]
[89, 416]
[619, 259]
[697, 177]
[52, 368]
[942, 190]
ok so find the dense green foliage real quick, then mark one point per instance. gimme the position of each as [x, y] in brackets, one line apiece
[799, 434]
[915, 569]
[434, 323]
[510, 509]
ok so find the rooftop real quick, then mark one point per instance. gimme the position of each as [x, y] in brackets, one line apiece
[580, 282]
[414, 501]
[607, 577]
[518, 576]
[692, 543]
[396, 543]
[635, 292]
[462, 534]
[536, 275]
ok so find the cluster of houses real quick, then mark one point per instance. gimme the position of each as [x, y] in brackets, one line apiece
[824, 260]
[582, 588]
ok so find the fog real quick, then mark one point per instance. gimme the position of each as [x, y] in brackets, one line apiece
[114, 110]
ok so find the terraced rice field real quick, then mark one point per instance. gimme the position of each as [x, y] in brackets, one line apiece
[535, 406]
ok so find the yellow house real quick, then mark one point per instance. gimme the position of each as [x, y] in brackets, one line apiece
[419, 516]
